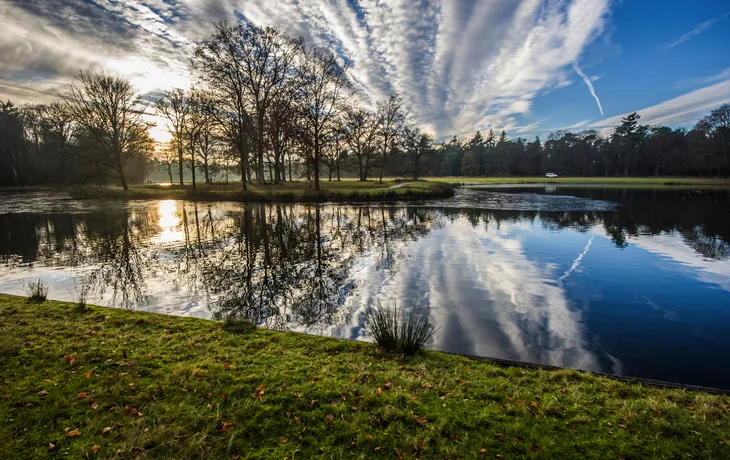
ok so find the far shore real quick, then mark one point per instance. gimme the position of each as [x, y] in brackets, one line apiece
[353, 190]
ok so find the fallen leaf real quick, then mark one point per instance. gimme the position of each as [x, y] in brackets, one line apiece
[81, 395]
[73, 433]
[224, 395]
[94, 406]
[520, 402]
[106, 429]
[533, 404]
[227, 365]
[149, 355]
[283, 440]
[500, 436]
[369, 437]
[388, 385]
[331, 417]
[71, 359]
[95, 449]
[379, 391]
[51, 446]
[259, 391]
[462, 382]
[420, 420]
[42, 393]
[482, 450]
[227, 426]
[315, 402]
[88, 374]
[562, 390]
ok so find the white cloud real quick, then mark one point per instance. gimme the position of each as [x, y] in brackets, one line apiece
[683, 110]
[588, 82]
[694, 32]
[462, 66]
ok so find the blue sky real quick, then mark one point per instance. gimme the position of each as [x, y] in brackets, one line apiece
[461, 65]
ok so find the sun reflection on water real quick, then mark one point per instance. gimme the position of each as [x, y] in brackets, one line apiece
[169, 223]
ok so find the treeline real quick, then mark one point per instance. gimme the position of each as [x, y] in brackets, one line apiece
[275, 109]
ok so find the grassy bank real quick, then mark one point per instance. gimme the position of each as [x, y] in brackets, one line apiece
[297, 191]
[109, 383]
[600, 180]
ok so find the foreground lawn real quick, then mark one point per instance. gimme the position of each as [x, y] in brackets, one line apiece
[297, 191]
[108, 383]
[600, 180]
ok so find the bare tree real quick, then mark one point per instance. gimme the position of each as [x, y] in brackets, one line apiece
[268, 62]
[360, 129]
[392, 119]
[323, 82]
[220, 64]
[109, 112]
[175, 107]
[416, 145]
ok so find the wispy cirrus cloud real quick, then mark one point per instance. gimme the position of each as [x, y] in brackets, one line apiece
[683, 110]
[703, 26]
[461, 65]
[589, 84]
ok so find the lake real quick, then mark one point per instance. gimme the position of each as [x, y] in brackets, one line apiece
[633, 282]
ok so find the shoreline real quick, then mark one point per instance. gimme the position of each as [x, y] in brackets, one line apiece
[179, 387]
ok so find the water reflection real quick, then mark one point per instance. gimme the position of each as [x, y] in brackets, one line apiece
[572, 283]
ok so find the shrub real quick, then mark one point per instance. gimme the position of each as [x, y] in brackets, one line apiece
[236, 325]
[398, 331]
[36, 291]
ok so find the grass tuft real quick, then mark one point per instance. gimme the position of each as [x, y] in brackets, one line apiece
[402, 332]
[235, 325]
[81, 297]
[36, 291]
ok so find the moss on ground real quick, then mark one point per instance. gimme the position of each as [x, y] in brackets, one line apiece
[112, 383]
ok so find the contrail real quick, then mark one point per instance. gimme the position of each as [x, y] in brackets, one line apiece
[576, 263]
[588, 82]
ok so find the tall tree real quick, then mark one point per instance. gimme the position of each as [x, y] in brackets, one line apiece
[323, 81]
[391, 119]
[175, 107]
[110, 113]
[220, 63]
[360, 129]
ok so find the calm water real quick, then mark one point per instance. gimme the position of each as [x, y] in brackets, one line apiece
[632, 282]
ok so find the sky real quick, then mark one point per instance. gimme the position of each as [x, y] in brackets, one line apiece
[527, 66]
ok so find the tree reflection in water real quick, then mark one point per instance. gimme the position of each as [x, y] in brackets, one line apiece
[284, 266]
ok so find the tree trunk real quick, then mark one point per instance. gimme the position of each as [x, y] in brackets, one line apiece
[415, 168]
[260, 151]
[242, 162]
[180, 161]
[338, 171]
[123, 180]
[192, 167]
[169, 171]
[316, 162]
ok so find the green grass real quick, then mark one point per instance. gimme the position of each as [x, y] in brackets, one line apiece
[600, 180]
[297, 191]
[139, 385]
